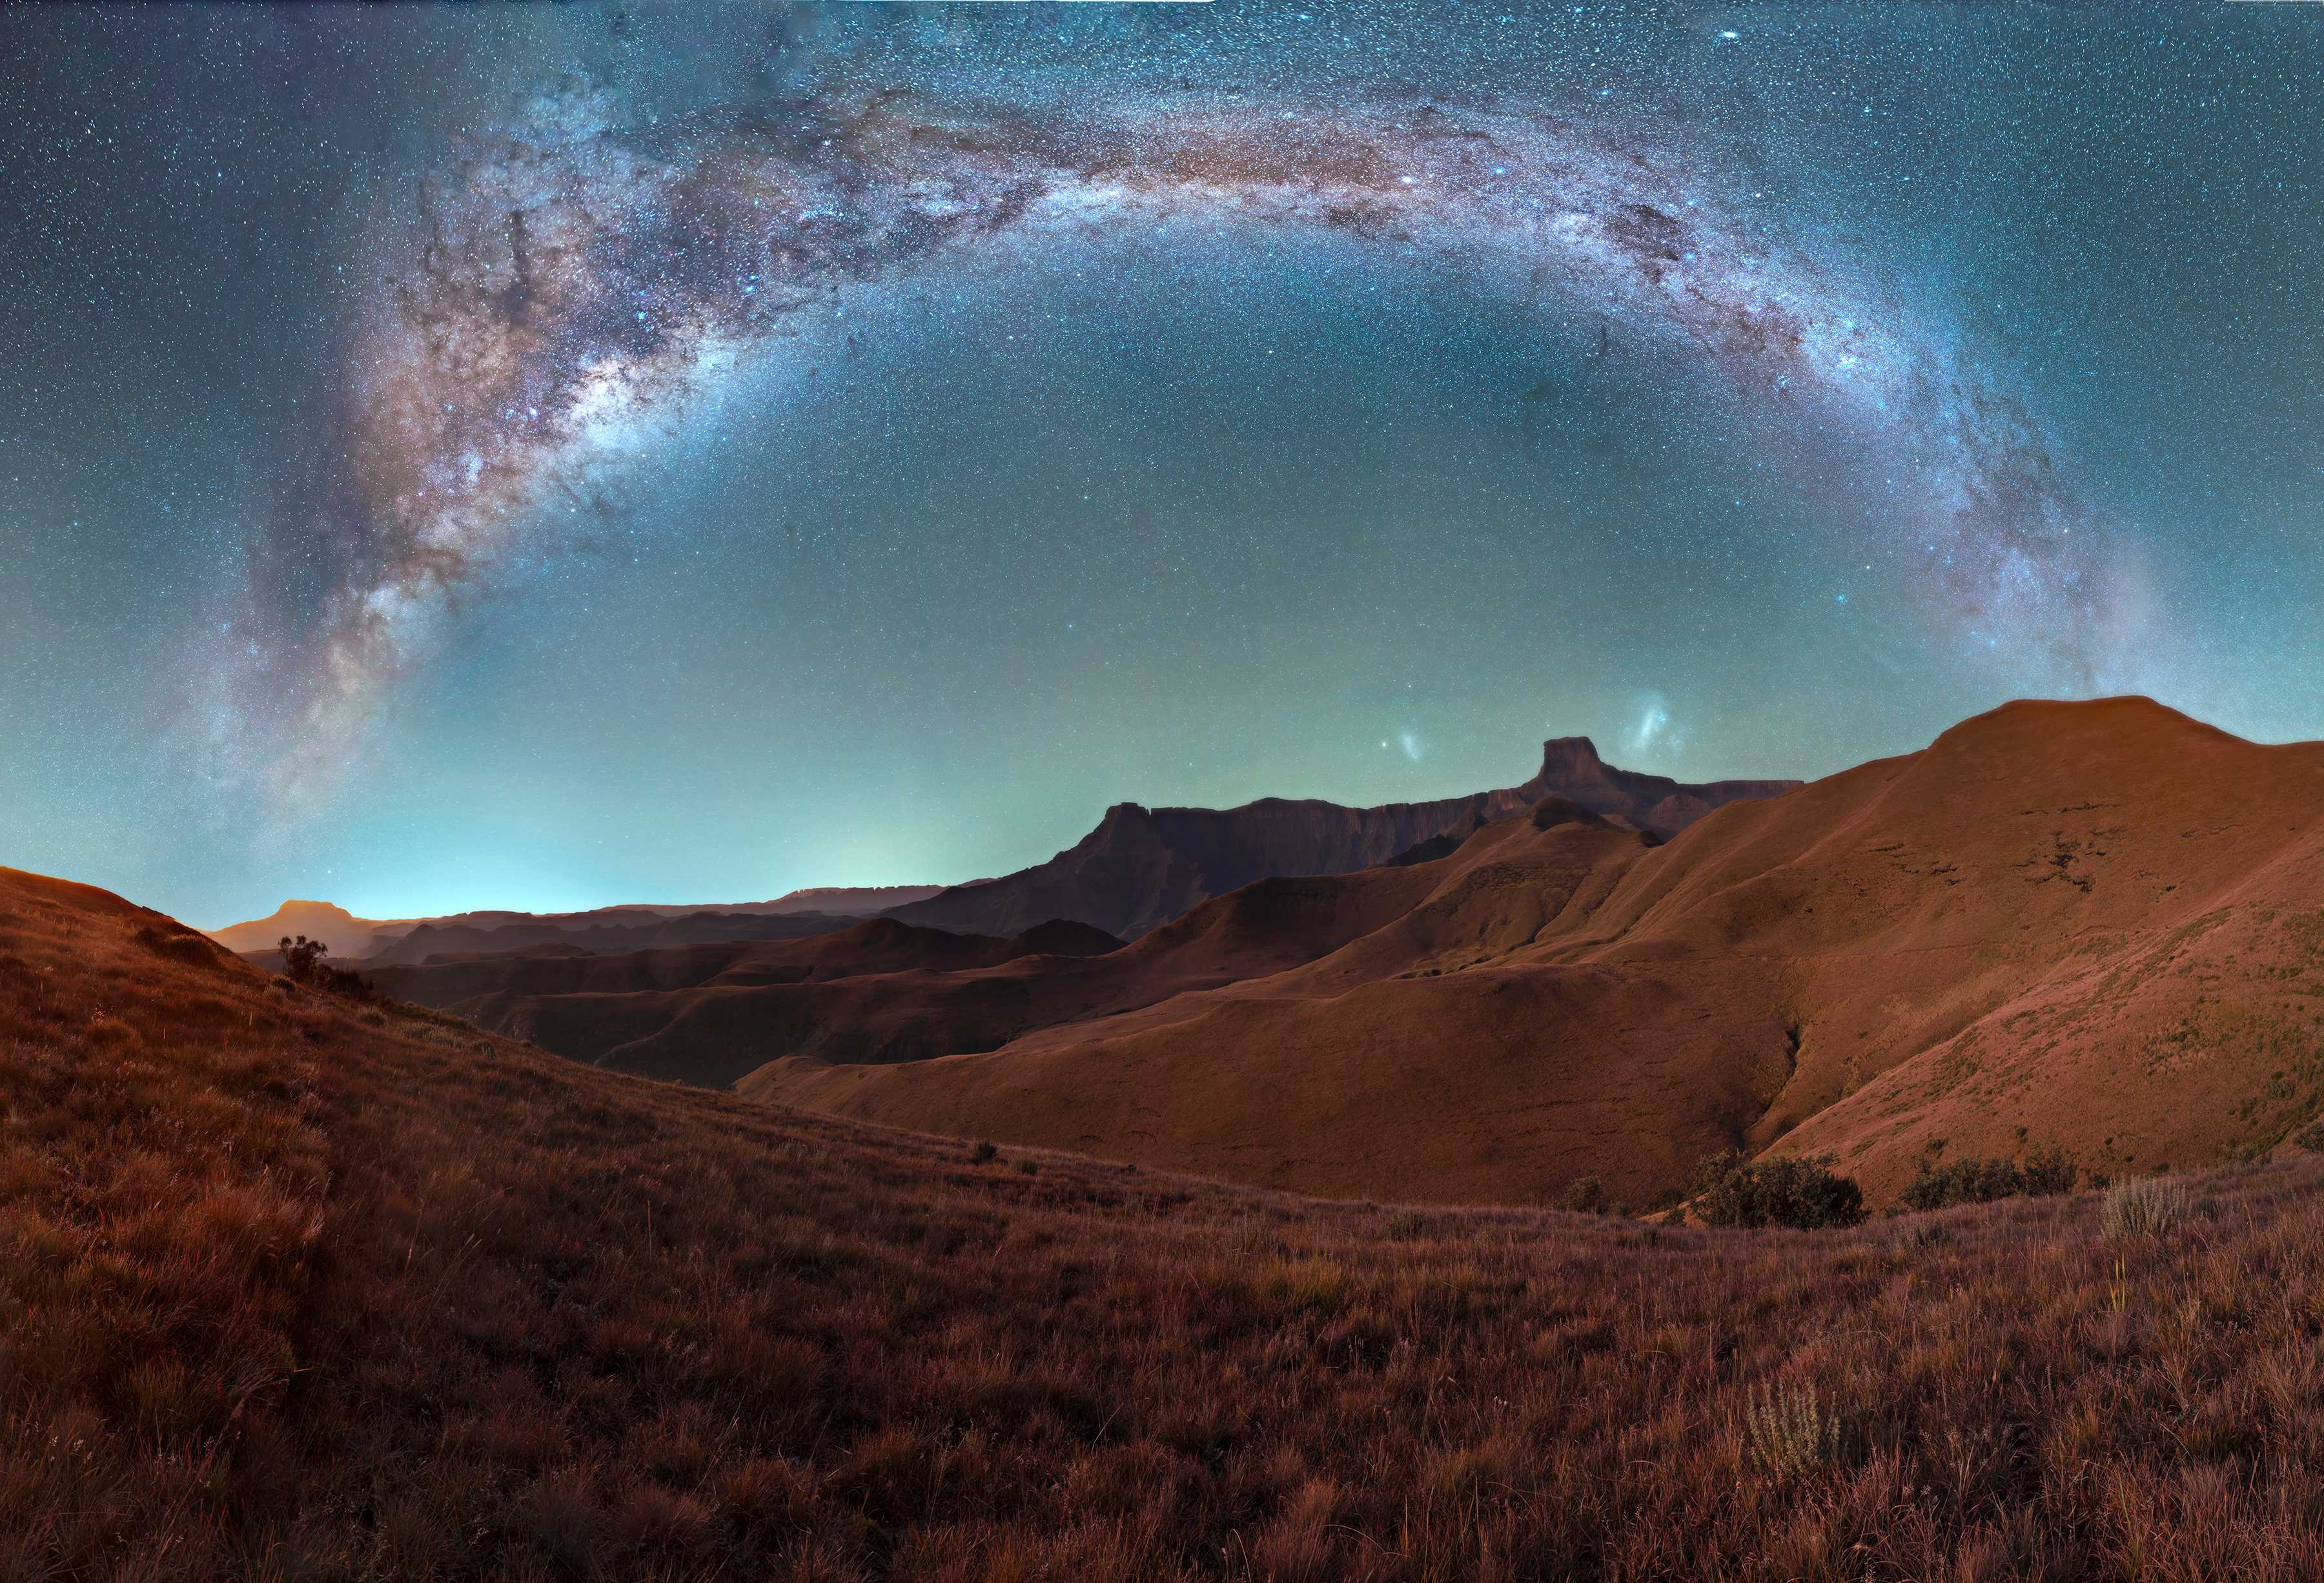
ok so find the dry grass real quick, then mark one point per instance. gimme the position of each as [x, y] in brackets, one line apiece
[1791, 1431]
[288, 1294]
[2144, 1206]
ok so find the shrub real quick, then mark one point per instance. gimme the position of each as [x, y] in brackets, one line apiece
[1790, 1432]
[1028, 1167]
[301, 957]
[344, 981]
[1585, 1196]
[983, 1154]
[302, 961]
[1805, 1194]
[1972, 1180]
[2144, 1206]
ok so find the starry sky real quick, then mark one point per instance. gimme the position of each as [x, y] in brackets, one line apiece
[549, 457]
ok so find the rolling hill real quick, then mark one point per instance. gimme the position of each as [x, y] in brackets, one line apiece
[709, 1012]
[2086, 926]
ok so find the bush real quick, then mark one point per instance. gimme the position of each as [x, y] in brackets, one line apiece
[2144, 1206]
[344, 981]
[1028, 1167]
[301, 957]
[1585, 1196]
[1805, 1194]
[302, 961]
[1981, 1182]
[983, 1154]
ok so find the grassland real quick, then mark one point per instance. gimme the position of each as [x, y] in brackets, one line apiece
[291, 1287]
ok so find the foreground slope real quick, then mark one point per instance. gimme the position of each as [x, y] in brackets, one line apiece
[2087, 925]
[298, 1288]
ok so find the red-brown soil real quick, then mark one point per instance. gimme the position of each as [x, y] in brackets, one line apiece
[293, 1287]
[2087, 925]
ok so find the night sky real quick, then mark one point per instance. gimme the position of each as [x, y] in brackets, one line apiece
[547, 458]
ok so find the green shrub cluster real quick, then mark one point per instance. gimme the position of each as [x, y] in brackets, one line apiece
[1805, 1194]
[1587, 1195]
[1981, 1182]
[302, 961]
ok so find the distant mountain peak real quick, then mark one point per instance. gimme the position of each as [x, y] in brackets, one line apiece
[344, 934]
[327, 909]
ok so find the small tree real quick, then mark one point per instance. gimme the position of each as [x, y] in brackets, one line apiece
[301, 957]
[303, 963]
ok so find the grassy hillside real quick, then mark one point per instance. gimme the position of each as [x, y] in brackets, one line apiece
[291, 1287]
[2088, 925]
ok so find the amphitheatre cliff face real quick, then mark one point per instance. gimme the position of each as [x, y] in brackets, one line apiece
[1142, 866]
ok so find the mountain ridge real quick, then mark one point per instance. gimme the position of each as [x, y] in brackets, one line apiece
[2092, 926]
[348, 935]
[1141, 867]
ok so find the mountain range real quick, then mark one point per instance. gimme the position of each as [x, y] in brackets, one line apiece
[2087, 925]
[1011, 954]
[1142, 866]
[1139, 869]
[2093, 925]
[626, 928]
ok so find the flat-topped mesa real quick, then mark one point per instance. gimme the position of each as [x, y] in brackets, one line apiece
[338, 929]
[1570, 757]
[1570, 762]
[1141, 867]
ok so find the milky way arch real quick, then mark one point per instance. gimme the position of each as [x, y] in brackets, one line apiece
[567, 280]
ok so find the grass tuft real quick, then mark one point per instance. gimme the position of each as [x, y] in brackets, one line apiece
[1791, 1431]
[2144, 1206]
